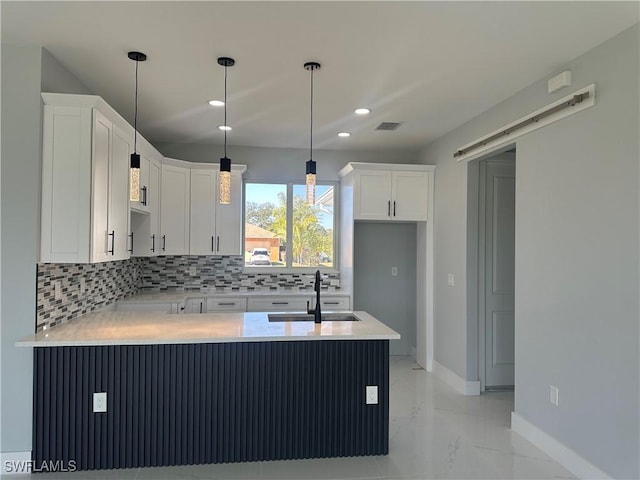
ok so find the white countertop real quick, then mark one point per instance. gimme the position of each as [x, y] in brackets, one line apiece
[148, 328]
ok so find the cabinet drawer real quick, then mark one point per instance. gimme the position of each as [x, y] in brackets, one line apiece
[277, 304]
[146, 307]
[227, 304]
[334, 303]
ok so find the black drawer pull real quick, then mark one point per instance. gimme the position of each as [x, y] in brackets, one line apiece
[279, 303]
[227, 304]
[153, 243]
[113, 242]
[331, 303]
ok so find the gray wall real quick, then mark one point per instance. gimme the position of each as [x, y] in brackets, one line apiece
[283, 163]
[577, 251]
[57, 79]
[377, 247]
[20, 219]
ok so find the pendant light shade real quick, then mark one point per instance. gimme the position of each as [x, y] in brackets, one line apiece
[310, 179]
[224, 186]
[134, 167]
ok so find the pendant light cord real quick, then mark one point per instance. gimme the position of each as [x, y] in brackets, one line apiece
[135, 116]
[311, 122]
[225, 111]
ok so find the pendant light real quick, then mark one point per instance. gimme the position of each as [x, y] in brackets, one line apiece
[134, 167]
[225, 162]
[311, 165]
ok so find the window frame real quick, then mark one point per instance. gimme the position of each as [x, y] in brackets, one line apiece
[289, 268]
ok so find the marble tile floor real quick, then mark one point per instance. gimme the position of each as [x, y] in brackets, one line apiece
[434, 433]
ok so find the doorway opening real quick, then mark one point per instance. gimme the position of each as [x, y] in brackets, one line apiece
[491, 251]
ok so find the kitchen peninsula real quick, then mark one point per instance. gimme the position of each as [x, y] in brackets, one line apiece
[209, 388]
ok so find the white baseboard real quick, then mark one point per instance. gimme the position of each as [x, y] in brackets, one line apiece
[14, 463]
[461, 385]
[555, 449]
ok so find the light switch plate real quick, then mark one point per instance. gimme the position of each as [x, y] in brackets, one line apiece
[451, 280]
[192, 270]
[394, 271]
[554, 395]
[372, 394]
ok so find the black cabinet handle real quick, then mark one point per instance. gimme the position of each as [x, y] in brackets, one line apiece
[153, 243]
[144, 196]
[394, 208]
[331, 303]
[279, 303]
[389, 208]
[226, 304]
[218, 243]
[200, 307]
[113, 242]
[212, 249]
[164, 242]
[131, 249]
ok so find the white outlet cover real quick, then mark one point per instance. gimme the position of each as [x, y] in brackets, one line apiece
[451, 280]
[372, 394]
[57, 290]
[100, 402]
[83, 286]
[394, 271]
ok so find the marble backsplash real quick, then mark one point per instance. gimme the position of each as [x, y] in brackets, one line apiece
[105, 283]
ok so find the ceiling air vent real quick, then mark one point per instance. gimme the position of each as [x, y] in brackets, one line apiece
[389, 125]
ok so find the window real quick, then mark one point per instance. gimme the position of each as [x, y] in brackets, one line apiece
[282, 230]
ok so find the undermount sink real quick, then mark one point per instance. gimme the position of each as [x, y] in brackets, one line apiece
[304, 317]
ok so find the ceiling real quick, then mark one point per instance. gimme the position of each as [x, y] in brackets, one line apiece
[431, 65]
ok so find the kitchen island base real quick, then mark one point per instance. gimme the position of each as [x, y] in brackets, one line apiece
[184, 404]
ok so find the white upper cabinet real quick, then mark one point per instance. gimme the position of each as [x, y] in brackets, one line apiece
[85, 181]
[174, 210]
[390, 192]
[145, 217]
[215, 229]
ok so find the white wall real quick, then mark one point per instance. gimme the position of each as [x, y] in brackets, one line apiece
[577, 259]
[283, 163]
[20, 203]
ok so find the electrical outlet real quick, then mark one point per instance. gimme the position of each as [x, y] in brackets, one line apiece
[57, 290]
[451, 280]
[192, 270]
[83, 286]
[372, 394]
[394, 271]
[554, 395]
[99, 402]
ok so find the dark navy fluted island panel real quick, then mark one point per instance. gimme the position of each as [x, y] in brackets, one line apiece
[182, 404]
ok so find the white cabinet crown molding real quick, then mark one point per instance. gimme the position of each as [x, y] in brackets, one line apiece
[351, 166]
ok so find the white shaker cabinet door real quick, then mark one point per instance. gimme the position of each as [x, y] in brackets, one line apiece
[229, 239]
[174, 211]
[203, 212]
[410, 200]
[118, 218]
[372, 195]
[102, 144]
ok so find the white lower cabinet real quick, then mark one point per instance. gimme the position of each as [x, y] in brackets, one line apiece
[195, 305]
[226, 304]
[277, 303]
[165, 307]
[333, 302]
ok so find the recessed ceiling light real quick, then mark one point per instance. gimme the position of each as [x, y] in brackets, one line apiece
[362, 111]
[216, 103]
[224, 127]
[344, 134]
